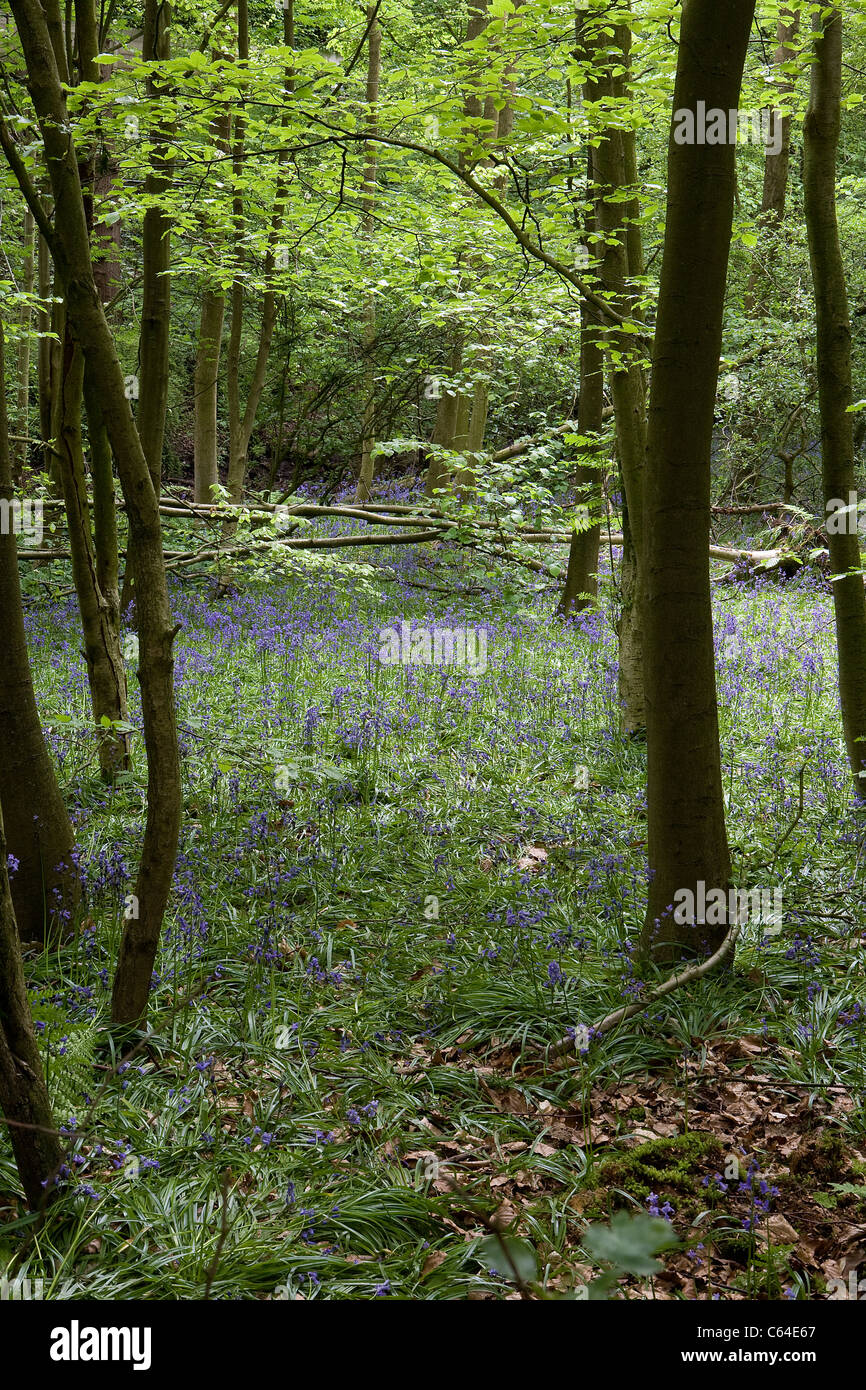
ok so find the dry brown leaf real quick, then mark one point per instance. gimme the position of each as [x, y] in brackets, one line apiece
[433, 1261]
[503, 1216]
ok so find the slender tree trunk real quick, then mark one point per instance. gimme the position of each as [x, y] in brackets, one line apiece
[821, 132]
[580, 590]
[478, 417]
[105, 669]
[368, 203]
[242, 420]
[156, 255]
[206, 386]
[461, 424]
[104, 503]
[99, 611]
[241, 424]
[238, 295]
[43, 362]
[581, 581]
[237, 451]
[45, 886]
[776, 162]
[445, 425]
[471, 425]
[617, 222]
[22, 413]
[23, 1094]
[107, 239]
[55, 374]
[207, 364]
[71, 252]
[687, 839]
[453, 428]
[154, 334]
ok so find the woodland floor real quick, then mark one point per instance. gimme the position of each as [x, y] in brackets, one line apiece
[389, 898]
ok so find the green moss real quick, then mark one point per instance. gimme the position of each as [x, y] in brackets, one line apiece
[660, 1165]
[732, 1245]
[823, 1158]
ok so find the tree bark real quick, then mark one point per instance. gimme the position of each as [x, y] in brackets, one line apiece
[156, 255]
[43, 361]
[22, 411]
[104, 502]
[833, 351]
[106, 674]
[581, 581]
[206, 386]
[368, 203]
[242, 422]
[207, 365]
[154, 333]
[617, 222]
[71, 252]
[445, 426]
[45, 886]
[23, 1094]
[687, 839]
[776, 165]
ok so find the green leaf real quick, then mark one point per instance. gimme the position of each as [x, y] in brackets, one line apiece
[518, 1263]
[630, 1242]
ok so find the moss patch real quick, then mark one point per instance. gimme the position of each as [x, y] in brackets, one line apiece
[822, 1158]
[660, 1165]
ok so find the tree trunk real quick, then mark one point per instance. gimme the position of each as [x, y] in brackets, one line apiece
[611, 60]
[364, 490]
[71, 252]
[241, 424]
[23, 1094]
[455, 428]
[821, 133]
[581, 581]
[154, 333]
[43, 361]
[156, 255]
[207, 366]
[776, 164]
[107, 239]
[22, 412]
[45, 886]
[686, 834]
[206, 386]
[104, 502]
[445, 425]
[105, 670]
[55, 374]
[472, 423]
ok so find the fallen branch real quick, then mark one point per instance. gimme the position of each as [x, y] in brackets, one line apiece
[756, 508]
[685, 977]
